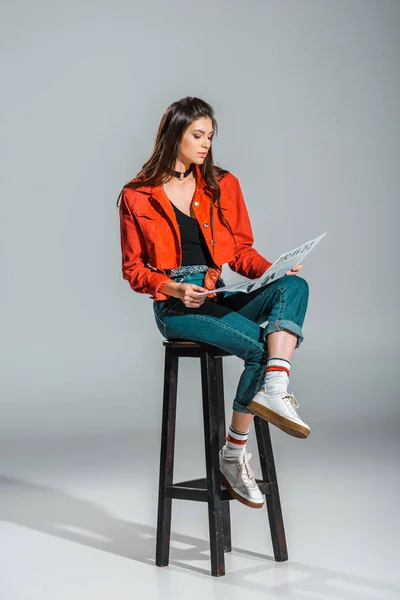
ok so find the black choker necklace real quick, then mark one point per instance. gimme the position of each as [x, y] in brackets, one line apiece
[180, 175]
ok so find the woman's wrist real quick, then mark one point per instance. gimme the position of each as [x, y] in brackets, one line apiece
[170, 289]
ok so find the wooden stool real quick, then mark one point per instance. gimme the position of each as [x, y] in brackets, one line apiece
[209, 489]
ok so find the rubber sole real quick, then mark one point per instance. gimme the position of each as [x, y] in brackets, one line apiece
[238, 496]
[282, 423]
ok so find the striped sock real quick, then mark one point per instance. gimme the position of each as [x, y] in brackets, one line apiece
[235, 444]
[276, 375]
[278, 364]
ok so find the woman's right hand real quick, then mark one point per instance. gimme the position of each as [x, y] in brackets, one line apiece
[188, 293]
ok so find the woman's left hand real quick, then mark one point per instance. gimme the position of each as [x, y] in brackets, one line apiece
[294, 270]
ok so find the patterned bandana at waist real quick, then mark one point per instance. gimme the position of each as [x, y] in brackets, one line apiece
[210, 277]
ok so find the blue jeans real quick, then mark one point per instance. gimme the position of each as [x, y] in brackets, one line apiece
[233, 324]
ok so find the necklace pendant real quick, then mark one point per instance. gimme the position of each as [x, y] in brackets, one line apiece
[180, 176]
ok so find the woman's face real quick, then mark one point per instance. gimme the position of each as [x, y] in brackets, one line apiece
[196, 141]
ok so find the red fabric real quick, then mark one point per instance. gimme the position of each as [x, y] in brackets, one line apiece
[210, 281]
[276, 368]
[235, 441]
[150, 235]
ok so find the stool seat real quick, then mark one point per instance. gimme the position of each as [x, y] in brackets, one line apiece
[194, 348]
[209, 489]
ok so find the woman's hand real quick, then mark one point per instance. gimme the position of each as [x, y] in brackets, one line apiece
[294, 270]
[188, 293]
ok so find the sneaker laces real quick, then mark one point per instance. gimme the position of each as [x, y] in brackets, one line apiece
[246, 473]
[291, 403]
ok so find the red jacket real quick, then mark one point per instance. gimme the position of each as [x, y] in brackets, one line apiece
[150, 237]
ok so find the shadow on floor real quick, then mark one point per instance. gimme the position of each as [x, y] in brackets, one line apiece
[55, 512]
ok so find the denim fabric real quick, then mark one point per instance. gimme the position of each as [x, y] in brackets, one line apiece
[233, 324]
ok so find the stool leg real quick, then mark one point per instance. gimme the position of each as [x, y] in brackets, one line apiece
[272, 500]
[211, 438]
[166, 458]
[226, 513]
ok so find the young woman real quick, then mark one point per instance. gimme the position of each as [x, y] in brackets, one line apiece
[182, 218]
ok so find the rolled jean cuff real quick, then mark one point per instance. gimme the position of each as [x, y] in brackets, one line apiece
[241, 408]
[280, 324]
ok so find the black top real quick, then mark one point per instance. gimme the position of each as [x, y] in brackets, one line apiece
[194, 248]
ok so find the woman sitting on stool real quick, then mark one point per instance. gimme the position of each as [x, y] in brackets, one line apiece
[182, 218]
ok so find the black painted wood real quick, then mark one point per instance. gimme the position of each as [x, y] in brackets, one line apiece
[166, 458]
[273, 502]
[211, 439]
[226, 513]
[209, 489]
[200, 485]
[193, 349]
[196, 494]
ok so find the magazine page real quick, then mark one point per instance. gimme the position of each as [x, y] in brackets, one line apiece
[279, 268]
[285, 262]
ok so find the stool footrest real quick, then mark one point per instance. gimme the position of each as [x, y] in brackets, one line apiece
[265, 487]
[193, 483]
[196, 489]
[196, 494]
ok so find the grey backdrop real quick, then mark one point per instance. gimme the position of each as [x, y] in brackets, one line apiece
[306, 95]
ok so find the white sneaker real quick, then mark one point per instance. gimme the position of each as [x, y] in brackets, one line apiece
[239, 479]
[279, 408]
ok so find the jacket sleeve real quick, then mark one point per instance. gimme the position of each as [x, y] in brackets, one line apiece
[247, 262]
[141, 278]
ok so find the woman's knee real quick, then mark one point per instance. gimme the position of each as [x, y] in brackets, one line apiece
[256, 356]
[296, 285]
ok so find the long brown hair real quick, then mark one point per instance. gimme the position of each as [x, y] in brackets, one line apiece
[157, 169]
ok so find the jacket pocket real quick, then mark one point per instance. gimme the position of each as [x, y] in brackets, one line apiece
[144, 212]
[146, 223]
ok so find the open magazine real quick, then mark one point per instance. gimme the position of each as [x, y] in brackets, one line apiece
[278, 269]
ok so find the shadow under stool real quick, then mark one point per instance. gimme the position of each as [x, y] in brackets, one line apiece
[209, 489]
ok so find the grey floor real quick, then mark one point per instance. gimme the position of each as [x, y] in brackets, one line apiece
[78, 513]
